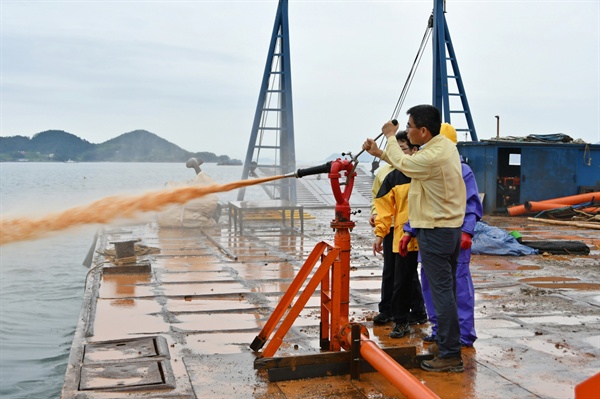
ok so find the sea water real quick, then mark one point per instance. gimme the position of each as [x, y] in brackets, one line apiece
[42, 281]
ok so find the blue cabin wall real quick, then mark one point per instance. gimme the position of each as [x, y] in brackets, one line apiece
[545, 171]
[588, 166]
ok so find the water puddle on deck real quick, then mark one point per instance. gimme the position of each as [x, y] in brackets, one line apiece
[494, 263]
[559, 282]
[548, 346]
[123, 287]
[494, 328]
[560, 319]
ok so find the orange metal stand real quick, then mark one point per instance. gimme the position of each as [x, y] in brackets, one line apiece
[320, 276]
[588, 389]
[333, 273]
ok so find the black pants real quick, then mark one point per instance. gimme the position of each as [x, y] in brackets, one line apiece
[388, 281]
[405, 288]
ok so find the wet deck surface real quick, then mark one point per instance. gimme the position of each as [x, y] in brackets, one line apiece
[537, 317]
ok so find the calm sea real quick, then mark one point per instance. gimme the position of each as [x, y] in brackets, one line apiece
[42, 281]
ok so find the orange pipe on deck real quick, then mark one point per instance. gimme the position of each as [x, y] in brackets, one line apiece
[535, 206]
[407, 383]
[516, 210]
[570, 200]
[575, 199]
[588, 388]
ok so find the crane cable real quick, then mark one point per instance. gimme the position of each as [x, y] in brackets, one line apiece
[413, 70]
[409, 79]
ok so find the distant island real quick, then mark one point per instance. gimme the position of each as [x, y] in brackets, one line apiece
[136, 146]
[230, 162]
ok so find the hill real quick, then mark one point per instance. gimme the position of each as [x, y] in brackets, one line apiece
[135, 146]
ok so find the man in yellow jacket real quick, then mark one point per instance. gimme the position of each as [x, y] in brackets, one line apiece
[436, 207]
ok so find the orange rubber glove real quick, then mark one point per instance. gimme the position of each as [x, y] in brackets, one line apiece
[403, 249]
[465, 241]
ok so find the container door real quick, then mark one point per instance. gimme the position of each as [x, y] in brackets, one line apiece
[547, 173]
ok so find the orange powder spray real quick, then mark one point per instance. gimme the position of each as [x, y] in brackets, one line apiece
[111, 208]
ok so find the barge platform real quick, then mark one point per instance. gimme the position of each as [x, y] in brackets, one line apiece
[178, 321]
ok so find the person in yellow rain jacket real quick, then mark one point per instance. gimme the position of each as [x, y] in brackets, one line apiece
[387, 274]
[401, 296]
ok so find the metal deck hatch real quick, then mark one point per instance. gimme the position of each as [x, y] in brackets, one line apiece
[129, 364]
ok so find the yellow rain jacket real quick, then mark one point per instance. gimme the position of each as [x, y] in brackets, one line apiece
[391, 205]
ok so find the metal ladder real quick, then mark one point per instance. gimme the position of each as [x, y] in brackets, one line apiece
[441, 91]
[271, 150]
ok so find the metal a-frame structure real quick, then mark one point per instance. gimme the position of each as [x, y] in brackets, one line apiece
[441, 79]
[271, 150]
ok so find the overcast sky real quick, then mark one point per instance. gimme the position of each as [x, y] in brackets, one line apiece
[190, 71]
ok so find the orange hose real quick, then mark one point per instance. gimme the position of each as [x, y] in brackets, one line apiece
[516, 210]
[588, 388]
[570, 200]
[575, 199]
[407, 383]
[536, 206]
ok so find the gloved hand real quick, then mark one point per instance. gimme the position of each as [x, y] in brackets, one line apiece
[403, 249]
[465, 241]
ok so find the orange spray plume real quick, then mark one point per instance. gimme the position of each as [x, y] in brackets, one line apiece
[111, 208]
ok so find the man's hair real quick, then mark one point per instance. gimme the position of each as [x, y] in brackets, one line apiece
[403, 136]
[428, 116]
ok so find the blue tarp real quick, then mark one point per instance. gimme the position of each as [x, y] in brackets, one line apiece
[490, 240]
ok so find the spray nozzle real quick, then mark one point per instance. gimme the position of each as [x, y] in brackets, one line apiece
[315, 170]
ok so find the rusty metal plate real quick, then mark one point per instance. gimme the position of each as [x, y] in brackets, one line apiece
[127, 364]
[124, 349]
[142, 267]
[121, 375]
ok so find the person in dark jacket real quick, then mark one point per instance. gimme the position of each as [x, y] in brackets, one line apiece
[401, 288]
